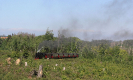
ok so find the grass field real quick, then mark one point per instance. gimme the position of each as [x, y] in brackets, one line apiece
[75, 69]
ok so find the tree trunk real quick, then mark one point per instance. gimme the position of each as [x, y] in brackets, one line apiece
[40, 71]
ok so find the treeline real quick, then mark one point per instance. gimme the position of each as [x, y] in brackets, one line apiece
[25, 44]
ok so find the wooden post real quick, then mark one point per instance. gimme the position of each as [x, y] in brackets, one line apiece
[40, 71]
[63, 68]
[25, 63]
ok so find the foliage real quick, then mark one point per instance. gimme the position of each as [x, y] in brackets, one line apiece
[128, 43]
[49, 35]
[102, 49]
[76, 69]
[87, 53]
[98, 58]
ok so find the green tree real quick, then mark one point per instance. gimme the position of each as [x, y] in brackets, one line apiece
[49, 35]
[87, 52]
[102, 48]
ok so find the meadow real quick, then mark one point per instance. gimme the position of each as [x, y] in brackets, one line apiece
[105, 68]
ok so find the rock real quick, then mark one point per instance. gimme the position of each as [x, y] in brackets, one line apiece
[8, 60]
[17, 61]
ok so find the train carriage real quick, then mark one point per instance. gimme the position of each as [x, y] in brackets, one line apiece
[55, 55]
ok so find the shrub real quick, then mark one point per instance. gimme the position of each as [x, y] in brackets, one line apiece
[15, 54]
[64, 77]
[26, 55]
[107, 58]
[87, 53]
[130, 58]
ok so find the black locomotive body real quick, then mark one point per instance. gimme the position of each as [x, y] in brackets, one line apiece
[55, 55]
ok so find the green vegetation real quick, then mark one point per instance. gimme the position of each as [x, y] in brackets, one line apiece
[98, 59]
[76, 68]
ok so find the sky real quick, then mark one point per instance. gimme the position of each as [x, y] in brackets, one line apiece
[85, 19]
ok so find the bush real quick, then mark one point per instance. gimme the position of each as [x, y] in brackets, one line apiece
[64, 77]
[87, 53]
[25, 55]
[107, 58]
[15, 54]
[130, 58]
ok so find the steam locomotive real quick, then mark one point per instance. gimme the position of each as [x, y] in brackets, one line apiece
[55, 55]
[50, 48]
